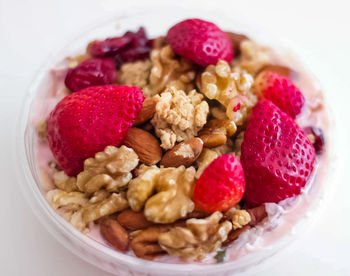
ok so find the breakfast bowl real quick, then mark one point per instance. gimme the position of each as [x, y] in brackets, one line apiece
[254, 245]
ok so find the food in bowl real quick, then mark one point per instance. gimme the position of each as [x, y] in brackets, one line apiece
[183, 148]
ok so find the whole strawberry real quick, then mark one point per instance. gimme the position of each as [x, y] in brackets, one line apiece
[277, 157]
[280, 90]
[87, 121]
[221, 185]
[200, 41]
[91, 72]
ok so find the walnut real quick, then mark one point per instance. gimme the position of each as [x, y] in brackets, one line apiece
[173, 187]
[225, 148]
[200, 236]
[254, 56]
[110, 169]
[136, 73]
[232, 88]
[79, 210]
[239, 218]
[179, 116]
[203, 161]
[167, 71]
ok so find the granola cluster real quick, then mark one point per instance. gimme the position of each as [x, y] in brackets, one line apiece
[190, 117]
[179, 116]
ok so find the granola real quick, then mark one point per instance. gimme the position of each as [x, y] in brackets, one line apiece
[179, 116]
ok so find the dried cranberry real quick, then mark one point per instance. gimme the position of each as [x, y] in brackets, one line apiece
[127, 48]
[91, 72]
[109, 46]
[318, 142]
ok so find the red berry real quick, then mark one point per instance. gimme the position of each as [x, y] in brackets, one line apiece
[200, 41]
[127, 48]
[221, 185]
[281, 91]
[277, 157]
[85, 122]
[91, 72]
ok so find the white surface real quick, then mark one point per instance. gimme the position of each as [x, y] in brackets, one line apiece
[30, 31]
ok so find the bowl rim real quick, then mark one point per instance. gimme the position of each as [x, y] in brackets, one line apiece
[23, 153]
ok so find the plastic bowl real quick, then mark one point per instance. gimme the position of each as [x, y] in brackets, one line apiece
[156, 21]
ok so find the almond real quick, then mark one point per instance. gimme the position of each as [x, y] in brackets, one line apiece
[236, 40]
[184, 153]
[132, 220]
[114, 233]
[147, 111]
[144, 144]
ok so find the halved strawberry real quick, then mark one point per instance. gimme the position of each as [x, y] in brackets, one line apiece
[277, 157]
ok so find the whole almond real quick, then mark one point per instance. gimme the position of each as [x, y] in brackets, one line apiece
[147, 111]
[184, 153]
[114, 233]
[236, 40]
[132, 220]
[144, 144]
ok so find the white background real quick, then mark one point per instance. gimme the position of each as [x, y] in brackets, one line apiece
[30, 31]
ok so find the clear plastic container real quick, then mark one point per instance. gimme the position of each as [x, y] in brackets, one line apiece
[156, 20]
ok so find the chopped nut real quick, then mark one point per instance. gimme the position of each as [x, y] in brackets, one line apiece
[239, 218]
[179, 116]
[231, 88]
[201, 236]
[237, 145]
[110, 169]
[184, 153]
[236, 40]
[64, 182]
[225, 148]
[79, 210]
[215, 132]
[203, 161]
[173, 198]
[253, 56]
[114, 233]
[167, 71]
[144, 144]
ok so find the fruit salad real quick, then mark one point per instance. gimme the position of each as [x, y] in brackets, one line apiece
[189, 147]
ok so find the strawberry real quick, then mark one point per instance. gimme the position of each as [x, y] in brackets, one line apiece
[200, 41]
[221, 185]
[85, 122]
[91, 72]
[280, 90]
[277, 157]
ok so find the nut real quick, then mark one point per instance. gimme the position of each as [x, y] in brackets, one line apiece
[174, 191]
[203, 161]
[114, 233]
[233, 235]
[184, 153]
[144, 144]
[236, 40]
[199, 237]
[215, 132]
[145, 242]
[132, 220]
[147, 111]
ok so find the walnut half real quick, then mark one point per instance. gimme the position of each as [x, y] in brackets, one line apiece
[200, 236]
[173, 187]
